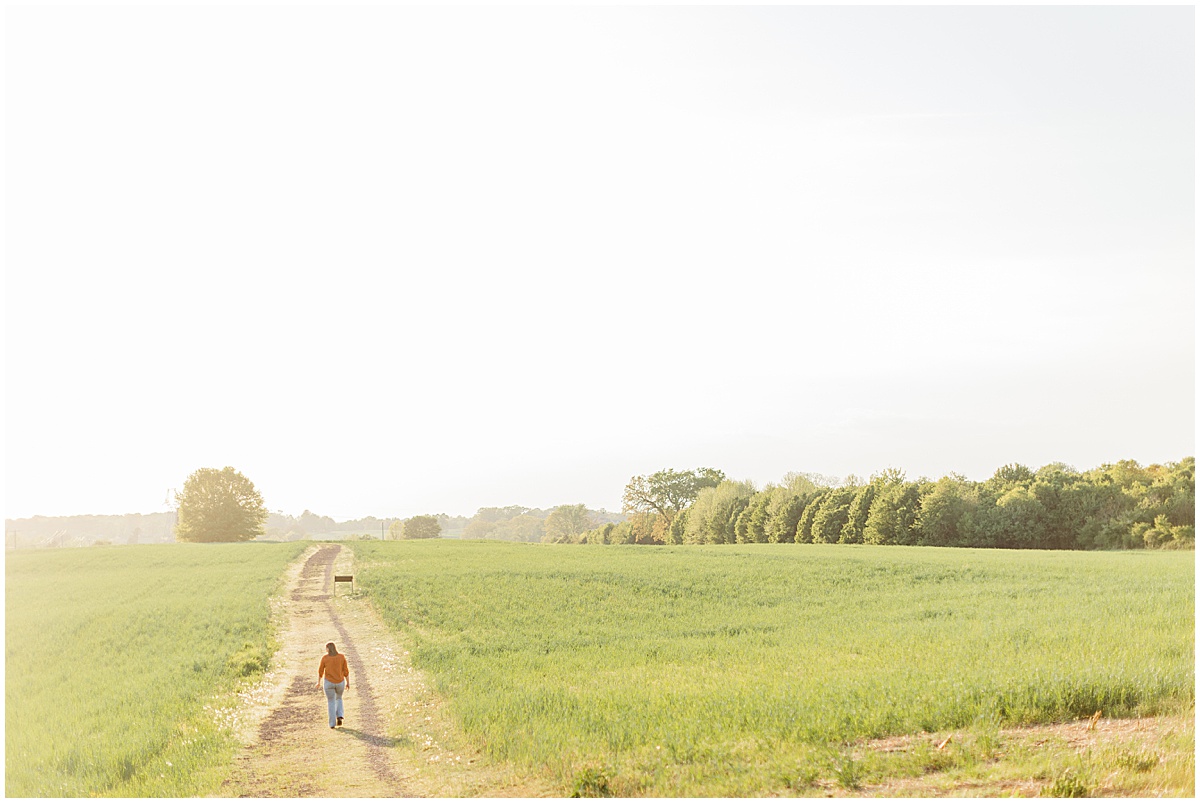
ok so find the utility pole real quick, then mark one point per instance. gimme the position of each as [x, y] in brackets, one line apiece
[172, 506]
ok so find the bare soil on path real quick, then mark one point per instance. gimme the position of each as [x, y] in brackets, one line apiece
[1022, 764]
[396, 741]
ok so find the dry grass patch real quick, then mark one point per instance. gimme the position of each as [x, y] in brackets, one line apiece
[1141, 757]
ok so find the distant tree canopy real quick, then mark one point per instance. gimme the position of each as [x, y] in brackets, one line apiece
[565, 523]
[665, 493]
[282, 527]
[219, 506]
[422, 527]
[519, 523]
[1116, 506]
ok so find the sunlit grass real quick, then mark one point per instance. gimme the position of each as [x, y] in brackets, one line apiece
[113, 654]
[723, 670]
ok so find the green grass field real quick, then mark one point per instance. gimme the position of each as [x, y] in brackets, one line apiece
[113, 654]
[722, 670]
[734, 670]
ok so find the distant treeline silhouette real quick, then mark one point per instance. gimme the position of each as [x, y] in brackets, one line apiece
[1116, 506]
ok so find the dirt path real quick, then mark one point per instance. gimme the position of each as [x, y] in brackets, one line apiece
[396, 741]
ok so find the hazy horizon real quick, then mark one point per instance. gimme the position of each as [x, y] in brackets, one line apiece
[424, 260]
[616, 508]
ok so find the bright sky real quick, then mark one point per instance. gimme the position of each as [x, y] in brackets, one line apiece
[390, 261]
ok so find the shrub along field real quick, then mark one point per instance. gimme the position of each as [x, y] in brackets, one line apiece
[113, 655]
[728, 670]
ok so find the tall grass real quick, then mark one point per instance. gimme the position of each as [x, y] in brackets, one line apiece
[113, 654]
[713, 670]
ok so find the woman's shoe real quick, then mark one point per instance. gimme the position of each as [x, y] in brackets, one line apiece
[339, 720]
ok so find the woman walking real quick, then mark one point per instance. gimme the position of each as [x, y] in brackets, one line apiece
[334, 676]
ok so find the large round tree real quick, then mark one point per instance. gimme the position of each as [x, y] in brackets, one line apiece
[422, 527]
[219, 506]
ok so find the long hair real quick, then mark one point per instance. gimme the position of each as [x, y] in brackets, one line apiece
[331, 648]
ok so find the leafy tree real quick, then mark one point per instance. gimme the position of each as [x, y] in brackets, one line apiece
[945, 507]
[783, 516]
[487, 520]
[1011, 475]
[526, 527]
[832, 515]
[675, 533]
[754, 522]
[1158, 504]
[219, 506]
[804, 533]
[665, 493]
[566, 523]
[889, 476]
[1054, 487]
[1180, 506]
[1056, 468]
[893, 515]
[742, 523]
[479, 529]
[1114, 491]
[422, 527]
[1171, 494]
[732, 514]
[1019, 519]
[312, 523]
[396, 530]
[805, 482]
[712, 517]
[856, 515]
[498, 514]
[1095, 506]
[452, 523]
[640, 528]
[648, 528]
[512, 523]
[1161, 533]
[623, 534]
[600, 535]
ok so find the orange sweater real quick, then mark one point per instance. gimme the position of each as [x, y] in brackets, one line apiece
[334, 668]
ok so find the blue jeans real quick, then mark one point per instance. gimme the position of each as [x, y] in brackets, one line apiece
[333, 693]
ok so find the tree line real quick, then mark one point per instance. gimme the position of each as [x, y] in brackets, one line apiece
[223, 505]
[560, 524]
[75, 531]
[1121, 505]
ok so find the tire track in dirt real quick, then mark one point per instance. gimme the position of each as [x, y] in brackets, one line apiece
[295, 753]
[369, 711]
[290, 751]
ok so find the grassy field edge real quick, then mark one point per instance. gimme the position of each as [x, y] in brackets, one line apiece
[142, 650]
[518, 612]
